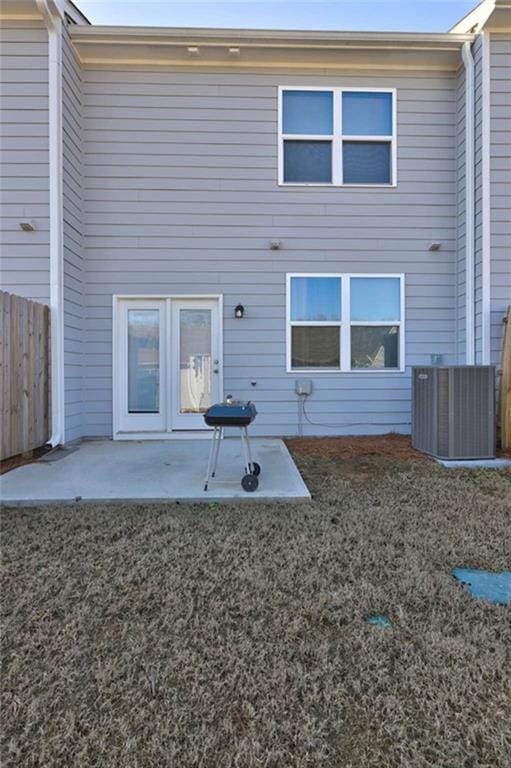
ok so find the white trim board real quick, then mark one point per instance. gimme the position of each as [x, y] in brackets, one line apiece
[486, 199]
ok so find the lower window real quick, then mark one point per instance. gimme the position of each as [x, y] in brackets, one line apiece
[374, 346]
[315, 347]
[345, 322]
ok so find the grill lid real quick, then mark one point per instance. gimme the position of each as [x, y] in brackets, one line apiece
[231, 413]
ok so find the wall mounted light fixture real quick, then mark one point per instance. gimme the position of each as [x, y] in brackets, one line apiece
[434, 246]
[275, 245]
[239, 311]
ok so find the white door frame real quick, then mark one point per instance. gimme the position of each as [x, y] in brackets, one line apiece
[121, 430]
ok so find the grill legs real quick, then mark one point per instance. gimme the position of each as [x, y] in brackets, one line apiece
[246, 450]
[252, 468]
[218, 433]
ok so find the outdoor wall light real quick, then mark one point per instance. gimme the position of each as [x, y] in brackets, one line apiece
[27, 226]
[275, 245]
[434, 246]
[239, 311]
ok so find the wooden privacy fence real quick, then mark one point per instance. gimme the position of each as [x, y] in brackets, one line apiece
[24, 365]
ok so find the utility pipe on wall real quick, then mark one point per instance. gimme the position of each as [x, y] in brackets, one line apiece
[53, 23]
[468, 62]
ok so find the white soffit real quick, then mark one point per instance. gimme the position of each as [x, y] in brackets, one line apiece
[259, 49]
[491, 15]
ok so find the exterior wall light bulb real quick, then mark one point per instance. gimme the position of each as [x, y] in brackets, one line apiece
[239, 311]
[434, 246]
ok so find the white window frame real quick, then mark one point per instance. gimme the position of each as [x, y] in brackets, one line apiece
[337, 137]
[346, 323]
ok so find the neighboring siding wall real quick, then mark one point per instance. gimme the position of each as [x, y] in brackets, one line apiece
[478, 181]
[181, 196]
[24, 159]
[73, 256]
[500, 180]
[461, 326]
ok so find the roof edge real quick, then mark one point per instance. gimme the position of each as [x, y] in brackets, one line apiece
[268, 36]
[492, 14]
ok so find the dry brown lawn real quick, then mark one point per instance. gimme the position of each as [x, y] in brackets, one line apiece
[224, 636]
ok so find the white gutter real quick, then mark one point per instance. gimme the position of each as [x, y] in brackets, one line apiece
[485, 197]
[468, 61]
[54, 25]
[265, 37]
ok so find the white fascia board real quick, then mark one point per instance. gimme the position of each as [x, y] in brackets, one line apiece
[486, 198]
[490, 14]
[269, 37]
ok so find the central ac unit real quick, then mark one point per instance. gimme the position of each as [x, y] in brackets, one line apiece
[453, 411]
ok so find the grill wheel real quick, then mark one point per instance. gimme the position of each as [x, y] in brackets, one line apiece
[249, 483]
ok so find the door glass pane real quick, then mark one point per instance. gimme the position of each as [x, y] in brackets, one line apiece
[375, 298]
[366, 114]
[315, 298]
[315, 346]
[195, 360]
[143, 360]
[308, 161]
[375, 346]
[366, 162]
[307, 112]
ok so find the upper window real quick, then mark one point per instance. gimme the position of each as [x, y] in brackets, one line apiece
[345, 322]
[337, 136]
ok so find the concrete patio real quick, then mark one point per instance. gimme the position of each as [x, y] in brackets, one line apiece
[104, 470]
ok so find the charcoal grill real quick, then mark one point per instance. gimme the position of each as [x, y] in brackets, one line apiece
[232, 413]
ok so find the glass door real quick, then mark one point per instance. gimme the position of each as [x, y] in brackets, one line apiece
[195, 361]
[141, 368]
[167, 366]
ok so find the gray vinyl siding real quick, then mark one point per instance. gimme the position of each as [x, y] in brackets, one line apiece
[181, 196]
[73, 253]
[500, 187]
[461, 325]
[478, 182]
[24, 158]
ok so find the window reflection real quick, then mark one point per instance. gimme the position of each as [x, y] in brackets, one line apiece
[143, 360]
[195, 360]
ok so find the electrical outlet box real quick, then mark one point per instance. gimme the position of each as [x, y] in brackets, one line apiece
[303, 386]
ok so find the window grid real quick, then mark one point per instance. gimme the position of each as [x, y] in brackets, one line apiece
[337, 138]
[345, 324]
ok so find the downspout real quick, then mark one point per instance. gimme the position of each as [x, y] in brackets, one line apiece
[485, 196]
[468, 62]
[53, 24]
